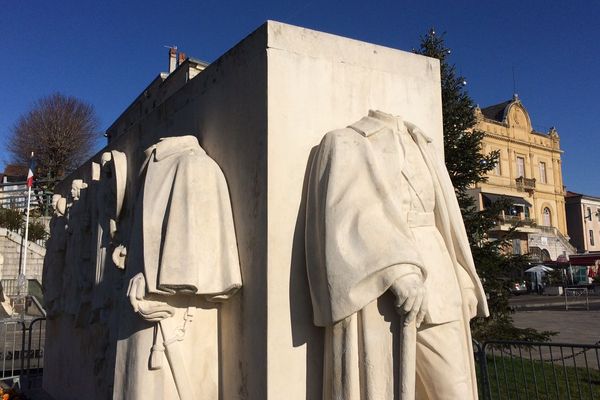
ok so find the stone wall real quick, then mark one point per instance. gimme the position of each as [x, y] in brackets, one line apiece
[10, 248]
[555, 245]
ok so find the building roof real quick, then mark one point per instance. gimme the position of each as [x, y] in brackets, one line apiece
[161, 87]
[18, 171]
[497, 112]
[575, 195]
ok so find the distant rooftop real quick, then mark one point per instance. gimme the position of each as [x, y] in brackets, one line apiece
[496, 112]
[181, 70]
[571, 194]
[16, 171]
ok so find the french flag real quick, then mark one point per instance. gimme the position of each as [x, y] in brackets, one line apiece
[30, 172]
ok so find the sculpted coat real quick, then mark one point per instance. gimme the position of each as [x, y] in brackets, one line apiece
[381, 208]
[181, 259]
[77, 222]
[54, 262]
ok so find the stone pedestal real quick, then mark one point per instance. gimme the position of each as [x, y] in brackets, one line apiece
[258, 111]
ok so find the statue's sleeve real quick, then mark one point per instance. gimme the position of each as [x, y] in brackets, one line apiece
[199, 250]
[357, 243]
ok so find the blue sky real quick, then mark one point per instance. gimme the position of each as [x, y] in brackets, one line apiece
[107, 52]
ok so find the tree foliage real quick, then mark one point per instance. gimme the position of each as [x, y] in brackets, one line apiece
[466, 163]
[11, 219]
[61, 131]
[467, 166]
[14, 220]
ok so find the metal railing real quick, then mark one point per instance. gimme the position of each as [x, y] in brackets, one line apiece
[516, 219]
[577, 292]
[22, 344]
[537, 370]
[505, 369]
[14, 195]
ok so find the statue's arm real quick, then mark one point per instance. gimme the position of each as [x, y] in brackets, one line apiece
[357, 246]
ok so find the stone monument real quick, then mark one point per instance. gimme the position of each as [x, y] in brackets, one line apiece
[251, 123]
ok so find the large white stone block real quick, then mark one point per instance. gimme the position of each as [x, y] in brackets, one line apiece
[258, 111]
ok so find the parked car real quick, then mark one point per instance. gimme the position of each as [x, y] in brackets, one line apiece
[518, 287]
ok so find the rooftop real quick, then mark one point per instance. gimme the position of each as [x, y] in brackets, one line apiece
[496, 112]
[574, 195]
[14, 170]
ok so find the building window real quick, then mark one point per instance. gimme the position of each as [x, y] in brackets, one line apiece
[589, 214]
[520, 167]
[598, 213]
[591, 237]
[497, 168]
[516, 245]
[546, 217]
[543, 172]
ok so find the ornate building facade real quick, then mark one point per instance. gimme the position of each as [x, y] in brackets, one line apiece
[529, 174]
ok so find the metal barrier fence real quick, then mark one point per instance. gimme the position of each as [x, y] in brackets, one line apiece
[505, 369]
[22, 351]
[537, 370]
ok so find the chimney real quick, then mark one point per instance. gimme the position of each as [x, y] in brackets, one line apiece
[181, 58]
[172, 59]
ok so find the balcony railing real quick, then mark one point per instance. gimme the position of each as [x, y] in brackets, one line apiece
[516, 219]
[525, 184]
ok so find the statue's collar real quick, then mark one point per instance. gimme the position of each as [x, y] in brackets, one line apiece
[378, 120]
[173, 145]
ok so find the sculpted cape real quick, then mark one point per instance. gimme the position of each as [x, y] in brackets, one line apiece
[183, 241]
[189, 239]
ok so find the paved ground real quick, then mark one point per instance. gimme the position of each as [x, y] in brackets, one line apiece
[577, 325]
[574, 326]
[582, 327]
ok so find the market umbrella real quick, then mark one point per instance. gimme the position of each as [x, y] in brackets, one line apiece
[539, 268]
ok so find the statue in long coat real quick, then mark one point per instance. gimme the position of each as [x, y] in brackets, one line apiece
[384, 234]
[54, 261]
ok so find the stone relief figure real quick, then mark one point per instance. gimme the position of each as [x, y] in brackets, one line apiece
[181, 259]
[386, 251]
[54, 262]
[109, 202]
[76, 226]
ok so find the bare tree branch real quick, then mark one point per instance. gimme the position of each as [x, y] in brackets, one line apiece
[60, 129]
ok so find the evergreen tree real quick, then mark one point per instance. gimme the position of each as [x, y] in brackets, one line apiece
[467, 166]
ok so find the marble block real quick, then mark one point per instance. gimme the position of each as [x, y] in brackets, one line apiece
[258, 111]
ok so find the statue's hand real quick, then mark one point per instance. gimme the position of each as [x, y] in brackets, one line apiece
[154, 311]
[410, 298]
[136, 290]
[150, 310]
[119, 256]
[470, 299]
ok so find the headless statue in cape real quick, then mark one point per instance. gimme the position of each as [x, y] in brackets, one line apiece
[384, 233]
[181, 259]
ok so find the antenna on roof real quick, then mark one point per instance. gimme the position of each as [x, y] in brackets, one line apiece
[515, 95]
